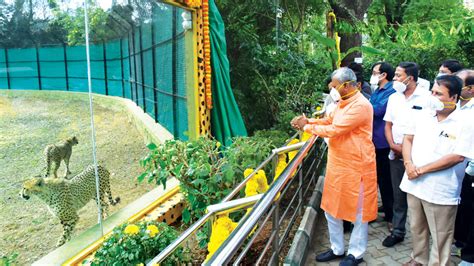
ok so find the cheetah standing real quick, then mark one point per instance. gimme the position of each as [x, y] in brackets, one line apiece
[58, 152]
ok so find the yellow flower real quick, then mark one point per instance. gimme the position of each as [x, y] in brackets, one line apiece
[247, 172]
[262, 182]
[218, 144]
[131, 229]
[152, 230]
[221, 229]
[318, 108]
[281, 165]
[251, 188]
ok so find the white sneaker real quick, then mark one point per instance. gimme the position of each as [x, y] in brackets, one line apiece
[465, 263]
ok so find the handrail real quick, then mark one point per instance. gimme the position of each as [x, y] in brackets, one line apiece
[225, 202]
[211, 210]
[230, 246]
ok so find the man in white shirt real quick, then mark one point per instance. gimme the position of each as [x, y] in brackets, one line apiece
[402, 105]
[434, 173]
[464, 226]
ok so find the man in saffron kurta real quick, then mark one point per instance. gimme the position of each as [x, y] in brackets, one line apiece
[350, 186]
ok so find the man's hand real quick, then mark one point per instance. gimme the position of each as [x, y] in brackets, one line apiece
[412, 171]
[293, 121]
[397, 149]
[299, 122]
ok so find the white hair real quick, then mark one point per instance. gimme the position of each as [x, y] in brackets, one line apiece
[344, 74]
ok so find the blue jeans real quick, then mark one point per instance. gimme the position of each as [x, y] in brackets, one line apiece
[400, 206]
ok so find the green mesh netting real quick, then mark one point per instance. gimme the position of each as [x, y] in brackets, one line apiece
[147, 66]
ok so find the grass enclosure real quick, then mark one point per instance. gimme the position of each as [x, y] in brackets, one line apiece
[30, 120]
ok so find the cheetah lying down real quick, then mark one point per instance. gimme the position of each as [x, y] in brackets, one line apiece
[65, 197]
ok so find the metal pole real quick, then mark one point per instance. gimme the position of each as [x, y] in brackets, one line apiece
[276, 231]
[105, 69]
[121, 68]
[141, 68]
[153, 52]
[174, 77]
[89, 83]
[65, 67]
[130, 67]
[38, 68]
[135, 66]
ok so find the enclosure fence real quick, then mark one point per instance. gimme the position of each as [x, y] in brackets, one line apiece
[147, 67]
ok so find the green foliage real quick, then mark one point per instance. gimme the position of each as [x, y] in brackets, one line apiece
[9, 260]
[282, 78]
[206, 171]
[276, 137]
[133, 244]
[429, 33]
[248, 153]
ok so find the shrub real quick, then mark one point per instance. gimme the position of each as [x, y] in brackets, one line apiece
[137, 243]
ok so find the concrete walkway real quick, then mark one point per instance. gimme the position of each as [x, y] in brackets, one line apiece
[376, 253]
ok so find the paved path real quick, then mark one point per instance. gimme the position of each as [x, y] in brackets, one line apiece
[376, 253]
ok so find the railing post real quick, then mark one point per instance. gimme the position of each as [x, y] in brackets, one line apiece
[276, 231]
[300, 177]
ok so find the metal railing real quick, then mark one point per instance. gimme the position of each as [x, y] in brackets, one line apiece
[275, 201]
[233, 205]
[214, 210]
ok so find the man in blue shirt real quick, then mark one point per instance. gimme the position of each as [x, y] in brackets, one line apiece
[381, 82]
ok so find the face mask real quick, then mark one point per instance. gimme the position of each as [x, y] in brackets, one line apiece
[374, 80]
[436, 104]
[440, 74]
[400, 87]
[335, 95]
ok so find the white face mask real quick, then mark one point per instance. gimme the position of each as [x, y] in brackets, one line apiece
[399, 86]
[374, 80]
[335, 95]
[436, 104]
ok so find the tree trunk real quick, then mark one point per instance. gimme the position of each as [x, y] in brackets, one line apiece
[350, 11]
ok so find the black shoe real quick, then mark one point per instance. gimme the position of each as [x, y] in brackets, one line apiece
[328, 256]
[392, 240]
[350, 260]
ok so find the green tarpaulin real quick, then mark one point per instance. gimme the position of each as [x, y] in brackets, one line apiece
[226, 120]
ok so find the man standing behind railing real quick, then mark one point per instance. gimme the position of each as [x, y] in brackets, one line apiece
[350, 186]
